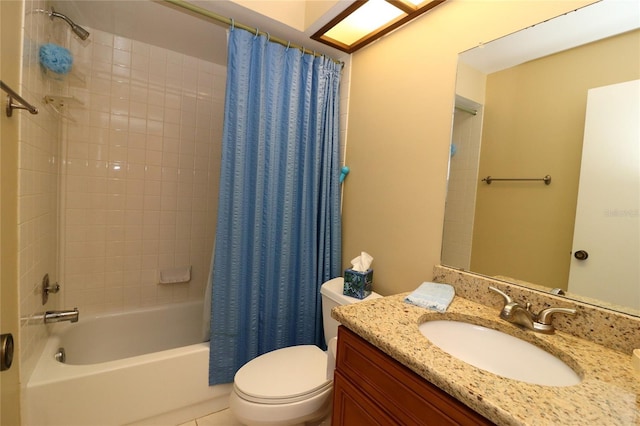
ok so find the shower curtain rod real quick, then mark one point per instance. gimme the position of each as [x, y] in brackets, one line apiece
[223, 19]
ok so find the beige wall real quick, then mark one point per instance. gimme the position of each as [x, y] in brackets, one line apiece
[315, 10]
[10, 23]
[400, 114]
[470, 83]
[290, 13]
[533, 126]
[296, 14]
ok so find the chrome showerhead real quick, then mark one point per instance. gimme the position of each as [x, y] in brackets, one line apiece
[77, 29]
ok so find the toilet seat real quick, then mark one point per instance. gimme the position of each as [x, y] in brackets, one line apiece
[284, 376]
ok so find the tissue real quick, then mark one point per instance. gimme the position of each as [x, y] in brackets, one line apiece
[362, 262]
[358, 280]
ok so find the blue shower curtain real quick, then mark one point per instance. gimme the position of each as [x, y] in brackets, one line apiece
[278, 230]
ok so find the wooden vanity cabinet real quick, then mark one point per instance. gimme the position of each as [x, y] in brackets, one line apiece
[371, 388]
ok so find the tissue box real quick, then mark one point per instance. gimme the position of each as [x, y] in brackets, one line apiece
[357, 284]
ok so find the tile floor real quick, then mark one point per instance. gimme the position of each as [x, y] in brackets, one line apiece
[225, 418]
[220, 418]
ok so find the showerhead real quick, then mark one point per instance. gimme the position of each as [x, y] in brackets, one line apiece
[80, 32]
[77, 29]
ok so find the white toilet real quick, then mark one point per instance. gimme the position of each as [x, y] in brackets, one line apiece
[293, 385]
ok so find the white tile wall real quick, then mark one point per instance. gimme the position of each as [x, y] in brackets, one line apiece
[140, 174]
[127, 188]
[39, 145]
[461, 190]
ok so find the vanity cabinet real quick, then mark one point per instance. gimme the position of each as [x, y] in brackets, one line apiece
[371, 388]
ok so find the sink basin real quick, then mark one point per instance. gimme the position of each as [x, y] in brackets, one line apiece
[499, 353]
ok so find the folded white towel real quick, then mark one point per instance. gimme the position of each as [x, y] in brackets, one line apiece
[434, 296]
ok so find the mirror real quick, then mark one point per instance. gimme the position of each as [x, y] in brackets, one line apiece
[520, 114]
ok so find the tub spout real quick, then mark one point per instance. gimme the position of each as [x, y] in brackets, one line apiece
[57, 316]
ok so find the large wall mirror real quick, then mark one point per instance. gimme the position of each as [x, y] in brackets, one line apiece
[540, 109]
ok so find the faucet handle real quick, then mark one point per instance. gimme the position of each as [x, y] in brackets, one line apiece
[507, 298]
[545, 315]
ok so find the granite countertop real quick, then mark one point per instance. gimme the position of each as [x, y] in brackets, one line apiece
[609, 393]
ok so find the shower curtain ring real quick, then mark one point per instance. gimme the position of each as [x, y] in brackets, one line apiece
[288, 44]
[233, 24]
[268, 37]
[257, 34]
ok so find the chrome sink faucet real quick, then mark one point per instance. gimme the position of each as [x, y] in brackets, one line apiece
[523, 315]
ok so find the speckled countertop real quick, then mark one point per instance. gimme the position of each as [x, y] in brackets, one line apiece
[609, 393]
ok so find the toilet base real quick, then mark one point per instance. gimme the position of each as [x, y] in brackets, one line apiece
[310, 411]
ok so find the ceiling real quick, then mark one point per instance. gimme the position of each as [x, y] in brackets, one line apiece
[594, 22]
[162, 24]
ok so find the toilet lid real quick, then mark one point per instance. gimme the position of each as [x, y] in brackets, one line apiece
[284, 375]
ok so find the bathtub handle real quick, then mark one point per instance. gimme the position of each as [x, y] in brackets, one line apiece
[48, 288]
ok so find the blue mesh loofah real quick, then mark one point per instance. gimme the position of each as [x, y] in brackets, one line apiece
[56, 58]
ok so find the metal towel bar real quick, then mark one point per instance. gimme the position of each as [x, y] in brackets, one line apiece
[489, 179]
[22, 104]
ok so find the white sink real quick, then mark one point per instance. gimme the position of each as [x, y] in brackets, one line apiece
[499, 353]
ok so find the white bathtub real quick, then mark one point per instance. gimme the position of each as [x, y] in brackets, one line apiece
[144, 367]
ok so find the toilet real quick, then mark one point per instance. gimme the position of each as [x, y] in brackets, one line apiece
[292, 386]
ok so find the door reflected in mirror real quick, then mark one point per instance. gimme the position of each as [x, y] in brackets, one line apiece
[529, 122]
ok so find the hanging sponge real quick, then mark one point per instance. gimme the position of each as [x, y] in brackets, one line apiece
[56, 58]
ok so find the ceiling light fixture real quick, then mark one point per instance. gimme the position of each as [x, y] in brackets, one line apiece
[367, 20]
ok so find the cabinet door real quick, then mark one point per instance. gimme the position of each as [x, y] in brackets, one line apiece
[397, 392]
[352, 407]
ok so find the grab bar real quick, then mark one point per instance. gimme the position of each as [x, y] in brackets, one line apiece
[489, 179]
[22, 104]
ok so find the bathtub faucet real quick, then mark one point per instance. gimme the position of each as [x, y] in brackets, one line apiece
[57, 316]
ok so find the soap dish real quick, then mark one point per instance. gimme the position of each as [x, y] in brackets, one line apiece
[176, 275]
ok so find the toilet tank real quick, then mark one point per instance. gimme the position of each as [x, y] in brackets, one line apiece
[332, 296]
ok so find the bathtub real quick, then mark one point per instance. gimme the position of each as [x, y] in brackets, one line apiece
[147, 366]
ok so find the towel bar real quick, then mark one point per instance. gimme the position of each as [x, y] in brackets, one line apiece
[489, 179]
[22, 104]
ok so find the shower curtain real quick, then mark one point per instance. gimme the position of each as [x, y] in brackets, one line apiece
[278, 231]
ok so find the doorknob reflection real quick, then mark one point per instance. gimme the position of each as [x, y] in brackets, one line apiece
[6, 351]
[581, 255]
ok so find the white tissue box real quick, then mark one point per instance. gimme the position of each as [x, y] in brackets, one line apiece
[358, 284]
